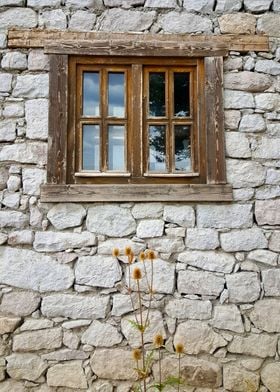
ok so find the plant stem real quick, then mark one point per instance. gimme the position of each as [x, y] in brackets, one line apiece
[142, 336]
[179, 371]
[159, 361]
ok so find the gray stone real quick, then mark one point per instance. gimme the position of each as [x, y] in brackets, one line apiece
[21, 303]
[110, 220]
[244, 174]
[200, 282]
[276, 5]
[149, 228]
[243, 287]
[271, 282]
[32, 179]
[266, 315]
[257, 5]
[5, 82]
[14, 60]
[174, 232]
[85, 4]
[166, 245]
[122, 304]
[35, 152]
[208, 260]
[205, 239]
[252, 123]
[184, 308]
[4, 176]
[184, 22]
[233, 64]
[13, 109]
[11, 200]
[263, 256]
[123, 20]
[37, 119]
[76, 324]
[8, 324]
[147, 210]
[238, 379]
[72, 341]
[65, 355]
[266, 148]
[259, 345]
[197, 337]
[7, 131]
[238, 100]
[274, 241]
[270, 376]
[24, 237]
[247, 239]
[64, 215]
[43, 3]
[97, 271]
[3, 40]
[161, 3]
[33, 324]
[228, 5]
[25, 366]
[106, 247]
[75, 306]
[3, 238]
[82, 21]
[70, 375]
[272, 176]
[101, 335]
[18, 17]
[204, 6]
[32, 86]
[227, 317]
[6, 3]
[29, 270]
[181, 215]
[247, 81]
[11, 385]
[267, 101]
[53, 19]
[38, 340]
[237, 23]
[37, 60]
[267, 212]
[14, 219]
[268, 66]
[224, 216]
[51, 241]
[14, 183]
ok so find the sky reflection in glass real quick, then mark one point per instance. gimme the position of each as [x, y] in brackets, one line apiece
[157, 148]
[91, 94]
[91, 147]
[182, 147]
[116, 148]
[116, 85]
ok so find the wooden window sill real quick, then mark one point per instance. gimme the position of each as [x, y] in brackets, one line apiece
[83, 193]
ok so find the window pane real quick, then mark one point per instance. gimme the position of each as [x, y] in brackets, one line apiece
[116, 94]
[157, 94]
[157, 148]
[91, 147]
[181, 94]
[116, 150]
[182, 147]
[91, 94]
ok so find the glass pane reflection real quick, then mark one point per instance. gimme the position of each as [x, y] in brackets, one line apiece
[157, 94]
[181, 94]
[91, 94]
[157, 148]
[182, 147]
[116, 148]
[116, 94]
[91, 147]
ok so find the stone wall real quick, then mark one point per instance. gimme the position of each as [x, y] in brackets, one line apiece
[64, 309]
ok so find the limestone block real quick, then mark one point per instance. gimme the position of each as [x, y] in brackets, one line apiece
[224, 216]
[14, 219]
[25, 366]
[122, 304]
[259, 345]
[33, 324]
[268, 66]
[18, 17]
[13, 109]
[184, 22]
[197, 337]
[97, 271]
[29, 270]
[32, 86]
[202, 239]
[120, 367]
[14, 60]
[200, 282]
[243, 287]
[184, 308]
[64, 215]
[51, 241]
[13, 183]
[11, 200]
[244, 174]
[32, 179]
[233, 63]
[204, 6]
[267, 101]
[11, 385]
[274, 241]
[7, 131]
[270, 376]
[166, 245]
[181, 215]
[237, 23]
[272, 176]
[3, 238]
[3, 40]
[271, 282]
[266, 315]
[247, 81]
[37, 60]
[238, 379]
[6, 3]
[106, 247]
[71, 340]
[37, 119]
[35, 152]
[161, 3]
[227, 317]
[174, 232]
[208, 260]
[75, 306]
[263, 256]
[238, 100]
[24, 237]
[247, 239]
[228, 5]
[125, 20]
[267, 212]
[149, 228]
[70, 374]
[257, 5]
[110, 220]
[276, 5]
[21, 303]
[38, 340]
[8, 324]
[85, 4]
[252, 123]
[65, 355]
[101, 335]
[43, 3]
[53, 19]
[5, 82]
[266, 148]
[82, 21]
[76, 324]
[147, 210]
[232, 119]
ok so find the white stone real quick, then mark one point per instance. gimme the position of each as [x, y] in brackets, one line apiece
[184, 22]
[7, 130]
[238, 100]
[271, 282]
[204, 239]
[268, 66]
[243, 287]
[184, 308]
[110, 220]
[204, 6]
[154, 326]
[101, 335]
[11, 200]
[3, 238]
[266, 148]
[3, 40]
[166, 245]
[11, 385]
[247, 81]
[263, 256]
[232, 119]
[71, 340]
[35, 152]
[70, 375]
[14, 219]
[224, 216]
[174, 232]
[74, 306]
[200, 282]
[38, 340]
[161, 3]
[197, 337]
[32, 86]
[21, 303]
[149, 228]
[238, 379]
[257, 5]
[244, 174]
[97, 271]
[43, 3]
[32, 179]
[36, 118]
[181, 215]
[123, 20]
[228, 5]
[53, 19]
[25, 366]
[51, 241]
[267, 101]
[252, 123]
[11, 3]
[122, 304]
[24, 237]
[270, 376]
[233, 64]
[266, 315]
[208, 260]
[227, 317]
[14, 60]
[259, 345]
[272, 176]
[274, 241]
[29, 270]
[82, 21]
[33, 324]
[37, 60]
[147, 210]
[64, 215]
[18, 17]
[5, 82]
[106, 247]
[247, 239]
[13, 109]
[237, 23]
[8, 324]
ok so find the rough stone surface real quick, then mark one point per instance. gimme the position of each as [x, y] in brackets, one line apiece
[14, 60]
[271, 282]
[51, 241]
[243, 287]
[189, 309]
[185, 22]
[166, 245]
[263, 256]
[43, 3]
[38, 340]
[247, 81]
[149, 228]
[238, 379]
[36, 118]
[205, 239]
[228, 5]
[33, 324]
[147, 210]
[160, 3]
[32, 179]
[121, 304]
[53, 19]
[122, 20]
[74, 306]
[238, 100]
[35, 152]
[274, 241]
[267, 148]
[101, 335]
[268, 66]
[227, 317]
[270, 376]
[237, 24]
[257, 5]
[252, 123]
[25, 366]
[181, 215]
[14, 219]
[18, 17]
[200, 282]
[224, 216]
[82, 21]
[208, 260]
[266, 315]
[65, 355]
[32, 86]
[38, 61]
[204, 6]
[21, 303]
[69, 375]
[234, 139]
[267, 101]
[247, 239]
[64, 215]
[244, 174]
[254, 344]
[8, 324]
[106, 247]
